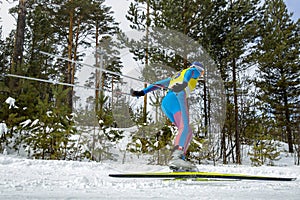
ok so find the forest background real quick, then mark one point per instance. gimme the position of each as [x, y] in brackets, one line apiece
[241, 36]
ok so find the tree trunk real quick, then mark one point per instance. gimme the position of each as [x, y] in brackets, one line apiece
[146, 59]
[19, 39]
[236, 115]
[288, 124]
[223, 147]
[76, 44]
[18, 45]
[97, 75]
[70, 47]
[205, 109]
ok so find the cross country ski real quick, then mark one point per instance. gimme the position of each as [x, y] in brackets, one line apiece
[193, 175]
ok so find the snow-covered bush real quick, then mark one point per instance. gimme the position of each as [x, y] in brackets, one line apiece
[96, 143]
[49, 137]
[151, 140]
[42, 129]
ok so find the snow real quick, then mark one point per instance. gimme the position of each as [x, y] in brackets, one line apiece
[3, 129]
[11, 101]
[25, 123]
[22, 178]
[50, 179]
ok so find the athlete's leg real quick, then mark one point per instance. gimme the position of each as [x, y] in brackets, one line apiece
[185, 133]
[175, 107]
[170, 106]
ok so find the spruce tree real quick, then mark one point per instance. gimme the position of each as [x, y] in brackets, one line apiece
[277, 57]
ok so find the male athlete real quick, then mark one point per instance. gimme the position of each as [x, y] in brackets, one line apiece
[175, 106]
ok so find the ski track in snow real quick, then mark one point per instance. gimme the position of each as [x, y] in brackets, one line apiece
[48, 179]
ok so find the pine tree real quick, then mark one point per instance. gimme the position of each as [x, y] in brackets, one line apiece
[139, 15]
[278, 67]
[110, 60]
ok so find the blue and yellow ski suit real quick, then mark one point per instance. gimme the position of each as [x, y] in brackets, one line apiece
[175, 105]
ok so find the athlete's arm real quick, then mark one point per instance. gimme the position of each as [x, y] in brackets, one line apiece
[162, 84]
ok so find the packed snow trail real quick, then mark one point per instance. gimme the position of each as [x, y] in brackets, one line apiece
[48, 179]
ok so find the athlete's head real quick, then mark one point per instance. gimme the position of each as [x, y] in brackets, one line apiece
[198, 66]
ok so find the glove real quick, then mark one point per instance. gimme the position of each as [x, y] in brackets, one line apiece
[137, 93]
[179, 87]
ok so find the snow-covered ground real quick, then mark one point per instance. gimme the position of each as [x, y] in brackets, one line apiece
[22, 178]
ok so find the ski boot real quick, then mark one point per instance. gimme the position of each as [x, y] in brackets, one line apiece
[178, 164]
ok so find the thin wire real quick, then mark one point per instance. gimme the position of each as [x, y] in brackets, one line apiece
[103, 70]
[91, 66]
[60, 83]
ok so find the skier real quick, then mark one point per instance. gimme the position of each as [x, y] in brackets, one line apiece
[175, 106]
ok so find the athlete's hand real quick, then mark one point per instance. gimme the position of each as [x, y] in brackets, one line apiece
[179, 87]
[137, 93]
